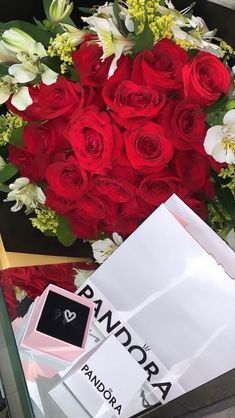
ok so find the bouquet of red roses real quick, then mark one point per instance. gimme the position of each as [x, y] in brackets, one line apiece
[105, 123]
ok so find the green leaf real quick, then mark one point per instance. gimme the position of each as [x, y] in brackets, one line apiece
[215, 118]
[121, 25]
[17, 137]
[7, 172]
[74, 76]
[38, 34]
[3, 70]
[39, 24]
[4, 188]
[49, 233]
[46, 5]
[219, 105]
[225, 197]
[53, 63]
[65, 234]
[230, 105]
[87, 10]
[144, 40]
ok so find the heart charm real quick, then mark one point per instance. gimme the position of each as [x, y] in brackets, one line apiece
[69, 316]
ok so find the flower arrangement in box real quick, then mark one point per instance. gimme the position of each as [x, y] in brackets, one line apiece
[104, 123]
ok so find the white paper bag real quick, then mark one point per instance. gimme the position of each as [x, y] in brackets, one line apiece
[169, 303]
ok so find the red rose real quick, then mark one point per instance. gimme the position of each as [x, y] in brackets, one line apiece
[87, 60]
[67, 179]
[60, 98]
[185, 123]
[156, 189]
[205, 78]
[133, 103]
[147, 148]
[49, 102]
[193, 170]
[45, 138]
[118, 190]
[83, 226]
[94, 139]
[59, 204]
[160, 67]
[31, 166]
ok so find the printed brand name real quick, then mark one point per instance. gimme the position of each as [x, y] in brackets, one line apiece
[140, 353]
[106, 393]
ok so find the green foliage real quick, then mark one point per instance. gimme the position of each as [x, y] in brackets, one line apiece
[215, 118]
[143, 40]
[7, 172]
[65, 234]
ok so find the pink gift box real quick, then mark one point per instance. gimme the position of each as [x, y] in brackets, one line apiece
[48, 318]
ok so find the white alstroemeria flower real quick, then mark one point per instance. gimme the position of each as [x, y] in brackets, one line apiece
[81, 276]
[103, 248]
[25, 193]
[59, 10]
[110, 39]
[106, 11]
[28, 54]
[230, 238]
[21, 98]
[197, 41]
[16, 40]
[220, 140]
[2, 163]
[73, 35]
[6, 56]
[29, 68]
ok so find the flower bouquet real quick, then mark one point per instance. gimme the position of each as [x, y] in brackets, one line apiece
[104, 123]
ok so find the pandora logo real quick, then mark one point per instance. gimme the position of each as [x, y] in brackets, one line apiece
[100, 386]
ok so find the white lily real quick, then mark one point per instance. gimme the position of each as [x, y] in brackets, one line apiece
[110, 39]
[25, 193]
[230, 238]
[21, 98]
[106, 11]
[103, 248]
[220, 140]
[60, 10]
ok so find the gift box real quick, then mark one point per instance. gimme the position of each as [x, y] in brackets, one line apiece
[59, 324]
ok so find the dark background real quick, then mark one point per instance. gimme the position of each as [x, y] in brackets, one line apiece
[17, 232]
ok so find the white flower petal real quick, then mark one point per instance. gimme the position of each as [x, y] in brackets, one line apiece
[213, 135]
[17, 40]
[21, 99]
[229, 117]
[219, 152]
[6, 55]
[21, 74]
[37, 49]
[117, 238]
[230, 156]
[49, 77]
[3, 97]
